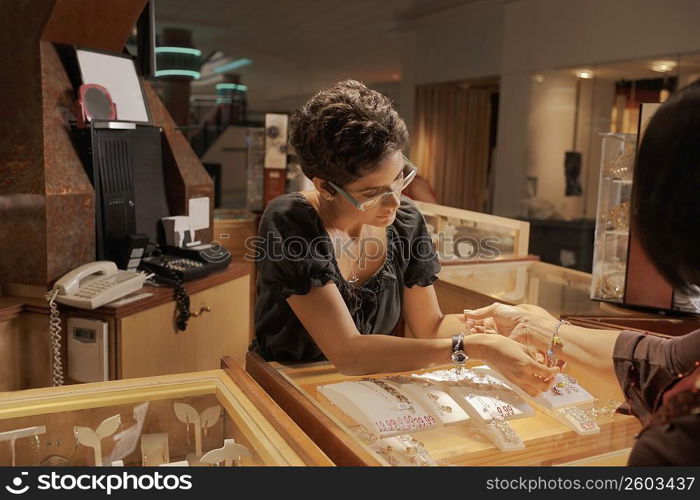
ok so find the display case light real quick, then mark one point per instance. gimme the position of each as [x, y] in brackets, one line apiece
[663, 66]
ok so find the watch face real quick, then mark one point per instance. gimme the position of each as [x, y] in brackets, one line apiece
[459, 357]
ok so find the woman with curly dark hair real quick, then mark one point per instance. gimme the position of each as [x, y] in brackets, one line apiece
[339, 266]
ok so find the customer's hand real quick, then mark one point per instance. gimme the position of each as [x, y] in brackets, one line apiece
[513, 360]
[528, 324]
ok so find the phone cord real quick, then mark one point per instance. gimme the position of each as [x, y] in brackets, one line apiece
[55, 336]
[182, 300]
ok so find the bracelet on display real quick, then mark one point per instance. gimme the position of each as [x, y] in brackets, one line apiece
[553, 342]
[459, 357]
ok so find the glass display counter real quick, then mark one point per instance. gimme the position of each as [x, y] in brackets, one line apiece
[218, 417]
[464, 236]
[330, 408]
[557, 289]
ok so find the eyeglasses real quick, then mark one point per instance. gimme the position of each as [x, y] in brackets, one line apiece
[405, 178]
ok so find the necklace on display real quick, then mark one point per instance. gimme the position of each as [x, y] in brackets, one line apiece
[427, 389]
[353, 279]
[403, 403]
[474, 381]
[499, 422]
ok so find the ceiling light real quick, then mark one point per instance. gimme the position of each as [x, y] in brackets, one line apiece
[538, 78]
[586, 74]
[663, 66]
[238, 63]
[231, 86]
[178, 50]
[177, 72]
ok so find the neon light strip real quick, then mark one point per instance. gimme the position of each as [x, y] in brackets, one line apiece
[238, 63]
[231, 86]
[178, 72]
[178, 50]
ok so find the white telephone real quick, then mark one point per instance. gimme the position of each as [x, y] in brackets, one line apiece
[88, 287]
[97, 283]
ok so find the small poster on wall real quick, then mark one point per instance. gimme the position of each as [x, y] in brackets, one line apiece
[276, 140]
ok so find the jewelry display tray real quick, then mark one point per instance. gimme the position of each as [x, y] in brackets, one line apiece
[547, 441]
[246, 415]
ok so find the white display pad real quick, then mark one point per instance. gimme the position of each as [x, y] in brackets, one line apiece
[404, 451]
[482, 394]
[444, 407]
[565, 392]
[560, 405]
[378, 410]
[118, 75]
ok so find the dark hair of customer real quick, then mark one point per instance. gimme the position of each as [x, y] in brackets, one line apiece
[342, 132]
[667, 188]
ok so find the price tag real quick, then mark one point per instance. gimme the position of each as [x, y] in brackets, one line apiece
[490, 407]
[377, 411]
[405, 424]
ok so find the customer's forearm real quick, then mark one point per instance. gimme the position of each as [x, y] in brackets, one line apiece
[589, 348]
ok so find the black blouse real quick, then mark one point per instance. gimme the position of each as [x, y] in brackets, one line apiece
[295, 253]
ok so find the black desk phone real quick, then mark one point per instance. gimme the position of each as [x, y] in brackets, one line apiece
[175, 266]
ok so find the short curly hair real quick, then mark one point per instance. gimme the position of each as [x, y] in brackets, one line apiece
[342, 132]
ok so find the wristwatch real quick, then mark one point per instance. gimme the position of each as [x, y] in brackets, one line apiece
[459, 357]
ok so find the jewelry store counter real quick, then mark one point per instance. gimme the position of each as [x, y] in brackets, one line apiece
[215, 417]
[436, 431]
[557, 289]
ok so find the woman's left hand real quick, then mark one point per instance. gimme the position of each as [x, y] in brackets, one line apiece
[515, 362]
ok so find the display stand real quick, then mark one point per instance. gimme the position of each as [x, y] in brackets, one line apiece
[155, 449]
[562, 402]
[231, 454]
[380, 407]
[16, 434]
[431, 396]
[201, 422]
[93, 438]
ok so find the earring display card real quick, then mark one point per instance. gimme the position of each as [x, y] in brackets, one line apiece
[386, 413]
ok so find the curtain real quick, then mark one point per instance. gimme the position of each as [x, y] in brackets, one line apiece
[451, 143]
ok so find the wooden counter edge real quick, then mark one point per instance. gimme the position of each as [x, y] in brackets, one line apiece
[291, 432]
[335, 442]
[11, 306]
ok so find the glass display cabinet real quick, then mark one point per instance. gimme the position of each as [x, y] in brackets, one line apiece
[613, 216]
[557, 289]
[622, 271]
[463, 236]
[218, 417]
[425, 419]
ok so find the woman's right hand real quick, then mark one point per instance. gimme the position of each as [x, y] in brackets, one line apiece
[515, 362]
[528, 324]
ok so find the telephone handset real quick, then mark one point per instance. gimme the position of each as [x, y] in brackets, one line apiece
[92, 285]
